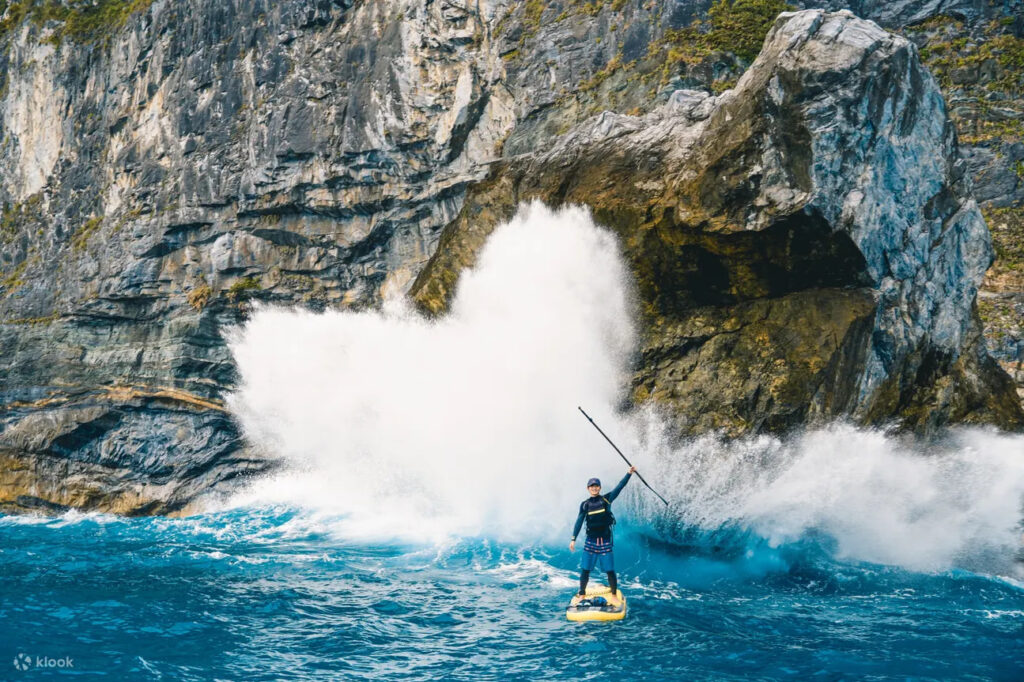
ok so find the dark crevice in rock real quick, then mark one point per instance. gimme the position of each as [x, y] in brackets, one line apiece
[175, 241]
[72, 444]
[281, 237]
[30, 502]
[680, 267]
[460, 133]
[176, 229]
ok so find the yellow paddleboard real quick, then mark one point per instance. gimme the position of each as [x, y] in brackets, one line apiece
[597, 605]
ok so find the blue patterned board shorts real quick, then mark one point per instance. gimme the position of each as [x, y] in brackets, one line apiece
[597, 552]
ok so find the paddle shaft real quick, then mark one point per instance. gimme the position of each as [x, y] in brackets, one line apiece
[592, 423]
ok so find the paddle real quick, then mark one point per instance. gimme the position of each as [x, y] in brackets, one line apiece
[620, 454]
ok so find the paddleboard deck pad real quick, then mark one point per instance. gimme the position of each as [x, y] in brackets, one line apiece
[597, 605]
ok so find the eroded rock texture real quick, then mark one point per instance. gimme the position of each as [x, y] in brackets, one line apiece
[979, 62]
[209, 155]
[158, 177]
[805, 244]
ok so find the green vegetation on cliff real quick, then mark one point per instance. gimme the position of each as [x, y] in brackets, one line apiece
[740, 26]
[1007, 228]
[243, 287]
[13, 216]
[997, 60]
[82, 21]
[85, 232]
[200, 295]
[14, 279]
[983, 71]
[735, 26]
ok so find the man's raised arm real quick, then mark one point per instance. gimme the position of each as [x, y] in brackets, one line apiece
[622, 484]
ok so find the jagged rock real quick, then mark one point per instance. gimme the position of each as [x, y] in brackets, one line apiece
[208, 156]
[109, 450]
[158, 179]
[808, 249]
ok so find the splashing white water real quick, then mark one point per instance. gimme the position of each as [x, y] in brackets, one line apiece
[879, 498]
[468, 425]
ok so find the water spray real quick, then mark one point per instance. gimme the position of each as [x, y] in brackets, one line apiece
[621, 455]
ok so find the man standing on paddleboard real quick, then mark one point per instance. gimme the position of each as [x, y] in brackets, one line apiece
[596, 510]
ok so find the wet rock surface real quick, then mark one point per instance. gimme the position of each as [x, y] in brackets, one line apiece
[779, 239]
[160, 177]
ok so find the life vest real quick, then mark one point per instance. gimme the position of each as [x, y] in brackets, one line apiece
[599, 514]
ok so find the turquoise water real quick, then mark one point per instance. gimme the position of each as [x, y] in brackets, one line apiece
[274, 593]
[434, 468]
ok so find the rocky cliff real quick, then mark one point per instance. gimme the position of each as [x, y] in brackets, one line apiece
[165, 163]
[805, 243]
[978, 59]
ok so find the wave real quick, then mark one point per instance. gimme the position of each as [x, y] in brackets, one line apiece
[862, 494]
[397, 426]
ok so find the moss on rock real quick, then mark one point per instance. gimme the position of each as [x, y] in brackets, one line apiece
[740, 26]
[82, 21]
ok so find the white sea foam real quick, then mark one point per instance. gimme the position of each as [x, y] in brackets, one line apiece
[400, 426]
[879, 498]
[467, 424]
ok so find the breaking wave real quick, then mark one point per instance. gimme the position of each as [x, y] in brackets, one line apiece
[400, 426]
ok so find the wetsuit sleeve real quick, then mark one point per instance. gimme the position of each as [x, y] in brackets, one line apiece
[579, 523]
[618, 489]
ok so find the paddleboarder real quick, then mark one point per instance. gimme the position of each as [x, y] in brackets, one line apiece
[596, 510]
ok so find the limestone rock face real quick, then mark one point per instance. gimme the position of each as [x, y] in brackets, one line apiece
[805, 245]
[206, 156]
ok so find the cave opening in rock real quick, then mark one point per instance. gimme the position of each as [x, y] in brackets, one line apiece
[680, 267]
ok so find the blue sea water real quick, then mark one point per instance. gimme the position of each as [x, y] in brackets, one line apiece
[271, 593]
[433, 468]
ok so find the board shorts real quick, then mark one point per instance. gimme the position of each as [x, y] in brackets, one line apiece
[597, 552]
[604, 562]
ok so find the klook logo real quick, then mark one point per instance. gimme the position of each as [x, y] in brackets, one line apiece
[24, 662]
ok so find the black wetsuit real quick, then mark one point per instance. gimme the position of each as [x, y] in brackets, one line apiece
[599, 540]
